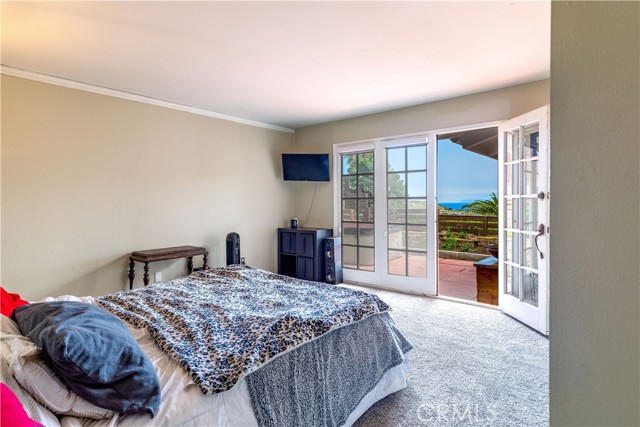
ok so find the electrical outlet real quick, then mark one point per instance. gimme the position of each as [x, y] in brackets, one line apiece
[242, 261]
[157, 277]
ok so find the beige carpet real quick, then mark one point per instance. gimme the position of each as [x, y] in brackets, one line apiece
[470, 366]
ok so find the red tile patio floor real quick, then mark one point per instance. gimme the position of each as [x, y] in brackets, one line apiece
[457, 279]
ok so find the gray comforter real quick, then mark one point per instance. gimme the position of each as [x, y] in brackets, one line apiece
[321, 383]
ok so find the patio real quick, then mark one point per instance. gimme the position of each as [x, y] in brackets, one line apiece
[457, 279]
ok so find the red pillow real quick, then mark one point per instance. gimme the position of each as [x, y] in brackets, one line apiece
[10, 302]
[13, 414]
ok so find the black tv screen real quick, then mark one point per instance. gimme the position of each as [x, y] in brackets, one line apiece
[305, 167]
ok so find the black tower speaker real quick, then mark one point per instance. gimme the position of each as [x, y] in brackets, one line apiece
[233, 248]
[333, 260]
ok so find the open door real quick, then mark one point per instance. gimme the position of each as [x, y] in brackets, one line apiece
[524, 221]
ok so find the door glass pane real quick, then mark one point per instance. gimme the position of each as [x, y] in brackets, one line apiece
[396, 212]
[397, 237]
[349, 230]
[508, 185]
[530, 177]
[530, 142]
[365, 234]
[365, 162]
[365, 210]
[365, 259]
[509, 250]
[349, 209]
[349, 164]
[530, 253]
[396, 185]
[417, 264]
[513, 287]
[512, 186]
[349, 186]
[530, 288]
[417, 157]
[365, 186]
[395, 160]
[417, 237]
[515, 245]
[530, 214]
[398, 263]
[510, 141]
[349, 256]
[417, 212]
[417, 184]
[513, 216]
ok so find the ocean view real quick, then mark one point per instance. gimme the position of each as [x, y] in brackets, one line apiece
[456, 206]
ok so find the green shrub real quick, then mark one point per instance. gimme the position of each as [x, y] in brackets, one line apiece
[450, 243]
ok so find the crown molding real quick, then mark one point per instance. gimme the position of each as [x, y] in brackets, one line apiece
[72, 84]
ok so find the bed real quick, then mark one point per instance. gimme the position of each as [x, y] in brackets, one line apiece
[234, 346]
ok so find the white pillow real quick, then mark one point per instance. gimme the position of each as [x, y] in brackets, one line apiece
[44, 385]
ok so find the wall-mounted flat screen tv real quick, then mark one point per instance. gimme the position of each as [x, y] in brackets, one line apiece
[305, 167]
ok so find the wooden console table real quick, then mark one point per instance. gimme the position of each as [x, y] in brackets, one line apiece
[153, 255]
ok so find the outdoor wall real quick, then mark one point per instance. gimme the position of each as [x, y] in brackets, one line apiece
[480, 108]
[87, 179]
[595, 214]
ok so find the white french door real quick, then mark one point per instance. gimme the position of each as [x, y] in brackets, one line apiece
[523, 156]
[385, 194]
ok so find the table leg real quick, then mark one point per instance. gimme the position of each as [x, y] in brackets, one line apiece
[145, 279]
[190, 264]
[132, 274]
[204, 265]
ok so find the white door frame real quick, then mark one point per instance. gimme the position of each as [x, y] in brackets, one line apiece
[355, 276]
[381, 278]
[426, 286]
[536, 317]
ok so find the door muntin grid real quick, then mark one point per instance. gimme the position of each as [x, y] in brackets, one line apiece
[521, 213]
[357, 210]
[407, 210]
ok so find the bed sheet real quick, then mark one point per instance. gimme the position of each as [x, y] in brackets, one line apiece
[183, 404]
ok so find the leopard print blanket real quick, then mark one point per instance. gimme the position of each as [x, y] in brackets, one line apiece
[224, 323]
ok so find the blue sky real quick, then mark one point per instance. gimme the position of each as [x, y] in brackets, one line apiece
[464, 176]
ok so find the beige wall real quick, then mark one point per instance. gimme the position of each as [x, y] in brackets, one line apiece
[480, 108]
[87, 179]
[595, 214]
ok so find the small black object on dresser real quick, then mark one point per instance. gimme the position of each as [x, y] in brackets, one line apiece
[333, 260]
[301, 252]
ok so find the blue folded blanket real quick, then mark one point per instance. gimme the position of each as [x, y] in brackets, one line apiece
[94, 353]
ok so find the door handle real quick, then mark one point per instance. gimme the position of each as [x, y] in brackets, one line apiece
[540, 233]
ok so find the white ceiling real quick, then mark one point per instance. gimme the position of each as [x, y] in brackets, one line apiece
[289, 64]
